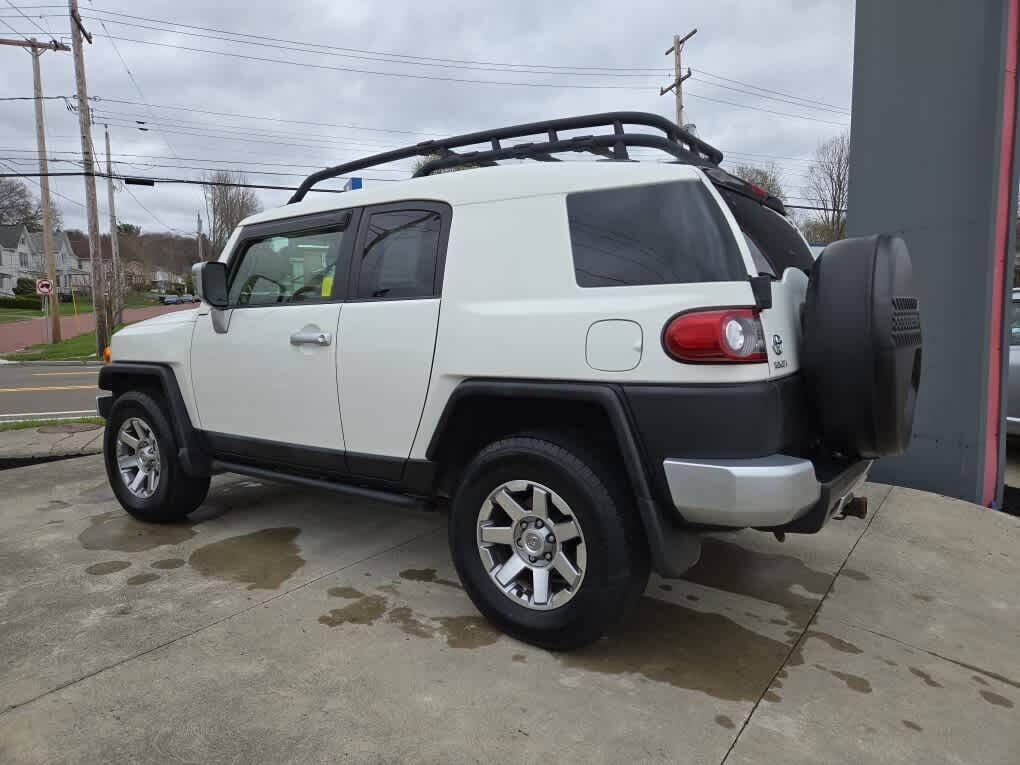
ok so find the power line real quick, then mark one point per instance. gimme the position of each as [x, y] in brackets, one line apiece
[27, 177]
[767, 111]
[401, 75]
[135, 83]
[769, 90]
[778, 99]
[31, 21]
[656, 71]
[187, 181]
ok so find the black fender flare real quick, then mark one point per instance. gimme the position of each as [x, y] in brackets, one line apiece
[673, 550]
[122, 376]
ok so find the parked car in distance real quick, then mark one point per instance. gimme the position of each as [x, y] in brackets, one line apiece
[186, 298]
[169, 299]
[1013, 403]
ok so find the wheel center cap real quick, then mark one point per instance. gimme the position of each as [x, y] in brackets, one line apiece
[534, 542]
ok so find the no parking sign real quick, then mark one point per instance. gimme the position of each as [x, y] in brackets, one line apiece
[43, 286]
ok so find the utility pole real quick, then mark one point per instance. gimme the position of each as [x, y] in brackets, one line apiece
[679, 76]
[201, 256]
[88, 165]
[116, 293]
[36, 49]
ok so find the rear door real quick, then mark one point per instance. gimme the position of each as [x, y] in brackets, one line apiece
[388, 332]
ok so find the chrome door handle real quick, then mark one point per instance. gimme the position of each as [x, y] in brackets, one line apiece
[306, 337]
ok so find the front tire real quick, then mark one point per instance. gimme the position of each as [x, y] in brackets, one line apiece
[140, 452]
[545, 541]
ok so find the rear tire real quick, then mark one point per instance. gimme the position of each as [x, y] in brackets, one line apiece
[570, 517]
[140, 452]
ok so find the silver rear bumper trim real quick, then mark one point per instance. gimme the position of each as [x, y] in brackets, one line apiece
[763, 491]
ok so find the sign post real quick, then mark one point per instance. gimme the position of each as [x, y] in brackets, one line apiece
[43, 288]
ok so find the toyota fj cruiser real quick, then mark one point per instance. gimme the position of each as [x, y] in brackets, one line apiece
[593, 362]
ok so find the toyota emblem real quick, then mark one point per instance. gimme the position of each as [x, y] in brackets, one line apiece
[777, 345]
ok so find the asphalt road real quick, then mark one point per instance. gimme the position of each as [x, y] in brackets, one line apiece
[47, 391]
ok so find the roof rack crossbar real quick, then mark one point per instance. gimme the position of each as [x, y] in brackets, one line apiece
[676, 141]
[601, 145]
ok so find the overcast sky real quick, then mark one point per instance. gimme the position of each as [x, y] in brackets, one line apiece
[799, 48]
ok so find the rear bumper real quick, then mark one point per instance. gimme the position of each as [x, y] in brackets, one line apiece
[777, 491]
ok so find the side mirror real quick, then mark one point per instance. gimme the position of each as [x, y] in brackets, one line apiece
[211, 282]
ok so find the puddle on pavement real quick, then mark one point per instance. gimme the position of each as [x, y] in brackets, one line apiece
[912, 725]
[928, 679]
[691, 649]
[725, 722]
[107, 567]
[345, 592]
[142, 578]
[859, 576]
[979, 680]
[764, 576]
[835, 643]
[996, 699]
[519, 658]
[168, 563]
[119, 532]
[427, 575]
[263, 559]
[363, 611]
[853, 682]
[404, 617]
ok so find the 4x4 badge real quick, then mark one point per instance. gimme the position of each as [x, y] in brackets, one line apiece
[777, 345]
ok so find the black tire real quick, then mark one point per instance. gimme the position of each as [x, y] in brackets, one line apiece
[177, 494]
[616, 569]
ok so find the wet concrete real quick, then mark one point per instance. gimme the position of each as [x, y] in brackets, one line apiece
[289, 626]
[263, 559]
[117, 531]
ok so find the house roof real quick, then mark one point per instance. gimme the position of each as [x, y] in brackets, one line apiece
[80, 247]
[10, 235]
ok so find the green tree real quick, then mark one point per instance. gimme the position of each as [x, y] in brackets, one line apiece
[25, 286]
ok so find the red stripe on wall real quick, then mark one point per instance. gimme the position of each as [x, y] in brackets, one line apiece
[993, 422]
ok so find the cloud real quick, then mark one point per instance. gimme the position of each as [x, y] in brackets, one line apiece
[799, 47]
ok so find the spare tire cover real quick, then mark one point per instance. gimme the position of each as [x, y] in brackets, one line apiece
[862, 346]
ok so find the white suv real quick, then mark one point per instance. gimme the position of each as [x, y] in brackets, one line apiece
[594, 362]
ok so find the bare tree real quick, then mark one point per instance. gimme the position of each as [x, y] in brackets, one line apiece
[766, 177]
[828, 186]
[226, 205]
[16, 203]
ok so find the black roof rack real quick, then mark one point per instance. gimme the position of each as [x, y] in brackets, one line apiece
[681, 144]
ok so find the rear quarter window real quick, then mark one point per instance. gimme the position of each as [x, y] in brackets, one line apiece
[664, 233]
[778, 243]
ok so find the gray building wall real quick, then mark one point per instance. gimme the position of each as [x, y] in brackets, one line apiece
[925, 161]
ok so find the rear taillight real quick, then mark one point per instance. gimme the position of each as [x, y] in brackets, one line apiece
[724, 336]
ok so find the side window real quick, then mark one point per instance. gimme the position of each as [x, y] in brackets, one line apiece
[297, 268]
[1014, 326]
[666, 233]
[398, 259]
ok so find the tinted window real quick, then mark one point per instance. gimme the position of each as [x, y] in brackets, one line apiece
[761, 263]
[287, 269]
[774, 236]
[399, 255]
[668, 233]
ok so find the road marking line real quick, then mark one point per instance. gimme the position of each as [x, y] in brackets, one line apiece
[48, 388]
[63, 374]
[47, 414]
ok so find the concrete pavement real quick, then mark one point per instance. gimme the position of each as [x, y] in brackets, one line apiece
[36, 391]
[283, 625]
